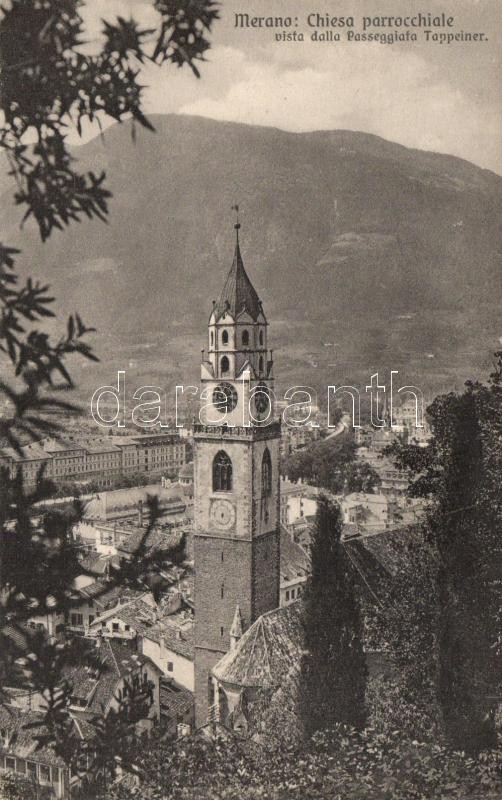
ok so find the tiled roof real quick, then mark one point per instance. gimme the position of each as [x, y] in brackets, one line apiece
[84, 723]
[29, 452]
[98, 564]
[22, 740]
[238, 293]
[118, 660]
[124, 499]
[349, 529]
[382, 553]
[263, 657]
[175, 639]
[174, 699]
[357, 498]
[125, 658]
[156, 541]
[294, 559]
[108, 598]
[21, 637]
[136, 613]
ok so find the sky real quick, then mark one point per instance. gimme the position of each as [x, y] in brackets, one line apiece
[446, 98]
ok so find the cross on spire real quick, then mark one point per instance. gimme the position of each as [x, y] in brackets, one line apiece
[238, 292]
[237, 223]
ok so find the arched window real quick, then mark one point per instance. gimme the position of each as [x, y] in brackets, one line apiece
[222, 473]
[245, 338]
[261, 338]
[266, 484]
[225, 365]
[224, 337]
[260, 364]
[212, 338]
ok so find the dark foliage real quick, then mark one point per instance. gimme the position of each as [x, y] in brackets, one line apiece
[339, 763]
[331, 465]
[49, 83]
[460, 472]
[333, 680]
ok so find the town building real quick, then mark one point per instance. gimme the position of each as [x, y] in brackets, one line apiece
[21, 753]
[163, 633]
[95, 597]
[296, 437]
[185, 479]
[100, 461]
[172, 650]
[176, 709]
[367, 511]
[125, 507]
[298, 500]
[295, 568]
[236, 479]
[99, 693]
[262, 668]
[95, 692]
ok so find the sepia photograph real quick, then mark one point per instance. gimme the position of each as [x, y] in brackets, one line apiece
[250, 400]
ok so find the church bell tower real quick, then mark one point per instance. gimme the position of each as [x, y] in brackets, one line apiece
[236, 479]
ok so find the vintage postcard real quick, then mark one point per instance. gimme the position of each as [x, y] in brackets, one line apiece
[250, 400]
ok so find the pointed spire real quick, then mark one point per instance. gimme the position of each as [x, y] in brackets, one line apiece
[236, 630]
[238, 292]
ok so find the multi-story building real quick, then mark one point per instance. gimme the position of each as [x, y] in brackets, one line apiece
[32, 463]
[297, 437]
[295, 568]
[21, 753]
[298, 500]
[98, 460]
[68, 459]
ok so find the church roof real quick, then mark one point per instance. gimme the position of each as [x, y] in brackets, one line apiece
[238, 293]
[263, 656]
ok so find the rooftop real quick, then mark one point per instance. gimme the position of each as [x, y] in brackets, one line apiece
[262, 658]
[180, 641]
[356, 498]
[109, 597]
[106, 502]
[98, 564]
[294, 559]
[97, 689]
[174, 700]
[154, 541]
[134, 612]
[238, 293]
[22, 740]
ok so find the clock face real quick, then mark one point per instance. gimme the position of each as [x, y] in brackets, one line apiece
[262, 400]
[224, 397]
[223, 514]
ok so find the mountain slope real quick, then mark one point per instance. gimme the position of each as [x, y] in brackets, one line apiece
[364, 252]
